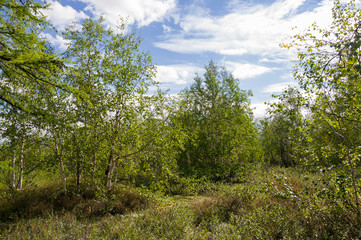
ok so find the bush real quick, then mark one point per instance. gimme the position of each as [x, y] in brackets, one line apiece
[87, 202]
[117, 201]
[221, 207]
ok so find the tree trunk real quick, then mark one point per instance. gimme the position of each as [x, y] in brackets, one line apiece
[110, 170]
[116, 166]
[21, 166]
[13, 175]
[78, 176]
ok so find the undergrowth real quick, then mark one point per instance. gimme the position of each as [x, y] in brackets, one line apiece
[282, 204]
[86, 201]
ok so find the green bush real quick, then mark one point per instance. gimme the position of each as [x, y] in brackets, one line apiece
[117, 201]
[87, 202]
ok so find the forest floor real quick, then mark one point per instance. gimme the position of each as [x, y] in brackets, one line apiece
[275, 203]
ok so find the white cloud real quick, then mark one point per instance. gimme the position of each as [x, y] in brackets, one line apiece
[260, 108]
[287, 76]
[166, 28]
[57, 40]
[256, 30]
[177, 74]
[273, 60]
[61, 16]
[139, 11]
[181, 45]
[279, 87]
[232, 51]
[184, 74]
[246, 70]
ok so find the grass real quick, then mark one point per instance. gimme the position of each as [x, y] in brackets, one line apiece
[272, 204]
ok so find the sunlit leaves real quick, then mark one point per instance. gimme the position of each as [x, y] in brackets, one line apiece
[28, 67]
[329, 74]
[216, 114]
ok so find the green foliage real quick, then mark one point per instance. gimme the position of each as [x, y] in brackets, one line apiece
[27, 62]
[276, 203]
[120, 131]
[29, 72]
[323, 207]
[328, 72]
[216, 115]
[123, 124]
[117, 201]
[283, 136]
[84, 203]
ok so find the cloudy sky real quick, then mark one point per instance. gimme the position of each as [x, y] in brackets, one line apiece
[184, 35]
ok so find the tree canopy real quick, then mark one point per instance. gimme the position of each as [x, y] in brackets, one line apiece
[216, 113]
[328, 72]
[28, 66]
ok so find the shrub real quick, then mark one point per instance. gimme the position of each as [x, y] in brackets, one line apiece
[117, 201]
[87, 202]
[221, 207]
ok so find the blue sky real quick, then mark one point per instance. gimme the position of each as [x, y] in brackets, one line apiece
[184, 35]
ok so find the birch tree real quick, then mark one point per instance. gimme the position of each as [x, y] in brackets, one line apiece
[108, 65]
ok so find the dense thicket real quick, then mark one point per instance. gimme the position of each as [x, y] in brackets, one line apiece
[215, 113]
[283, 131]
